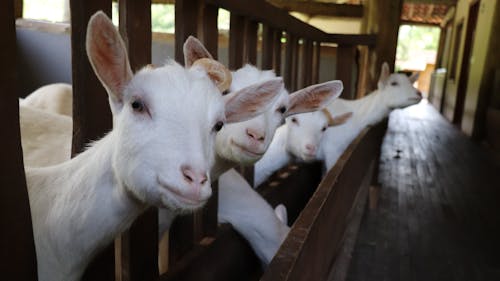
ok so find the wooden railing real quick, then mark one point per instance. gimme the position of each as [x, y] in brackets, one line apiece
[134, 254]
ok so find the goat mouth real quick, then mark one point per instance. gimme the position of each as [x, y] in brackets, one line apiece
[246, 150]
[308, 157]
[178, 194]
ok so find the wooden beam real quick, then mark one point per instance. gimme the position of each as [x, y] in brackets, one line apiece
[267, 47]
[236, 37]
[250, 46]
[435, 2]
[277, 52]
[316, 62]
[352, 39]
[320, 8]
[289, 58]
[92, 116]
[91, 113]
[137, 248]
[345, 62]
[208, 28]
[273, 16]
[186, 23]
[307, 56]
[17, 254]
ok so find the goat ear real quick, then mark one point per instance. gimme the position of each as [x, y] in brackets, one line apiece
[384, 75]
[108, 56]
[339, 119]
[194, 50]
[314, 97]
[414, 77]
[251, 101]
[217, 72]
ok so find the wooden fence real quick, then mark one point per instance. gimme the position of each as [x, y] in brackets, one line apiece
[196, 237]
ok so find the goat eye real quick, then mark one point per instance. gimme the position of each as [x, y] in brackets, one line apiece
[323, 129]
[294, 120]
[218, 126]
[282, 109]
[394, 83]
[137, 105]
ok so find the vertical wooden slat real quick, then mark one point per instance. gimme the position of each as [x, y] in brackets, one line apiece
[185, 229]
[208, 22]
[251, 29]
[17, 248]
[289, 60]
[236, 26]
[18, 8]
[209, 30]
[135, 29]
[316, 62]
[277, 52]
[306, 62]
[92, 116]
[345, 62]
[186, 23]
[91, 113]
[267, 47]
[295, 64]
[137, 248]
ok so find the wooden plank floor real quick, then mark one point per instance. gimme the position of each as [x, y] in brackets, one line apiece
[439, 209]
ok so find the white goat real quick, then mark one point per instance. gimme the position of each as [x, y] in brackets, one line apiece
[393, 91]
[319, 136]
[251, 215]
[291, 143]
[302, 138]
[56, 98]
[41, 133]
[158, 153]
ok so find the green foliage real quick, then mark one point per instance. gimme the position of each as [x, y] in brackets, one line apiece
[414, 39]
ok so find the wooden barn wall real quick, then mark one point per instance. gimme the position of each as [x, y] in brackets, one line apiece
[481, 63]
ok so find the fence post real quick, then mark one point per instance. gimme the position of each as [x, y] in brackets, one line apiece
[91, 113]
[17, 254]
[251, 29]
[236, 25]
[136, 250]
[345, 61]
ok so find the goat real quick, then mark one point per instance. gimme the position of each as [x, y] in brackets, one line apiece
[56, 98]
[393, 91]
[158, 153]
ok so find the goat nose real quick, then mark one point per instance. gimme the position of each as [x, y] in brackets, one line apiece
[310, 147]
[192, 177]
[254, 134]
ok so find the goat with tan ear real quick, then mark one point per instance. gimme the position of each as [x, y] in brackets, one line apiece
[245, 143]
[394, 91]
[158, 153]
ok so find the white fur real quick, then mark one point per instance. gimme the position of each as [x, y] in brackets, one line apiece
[394, 91]
[250, 215]
[302, 136]
[290, 143]
[56, 98]
[40, 128]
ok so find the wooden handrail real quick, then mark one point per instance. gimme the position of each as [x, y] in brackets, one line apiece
[273, 16]
[315, 239]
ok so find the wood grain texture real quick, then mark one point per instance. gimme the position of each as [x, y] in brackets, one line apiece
[438, 215]
[17, 254]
